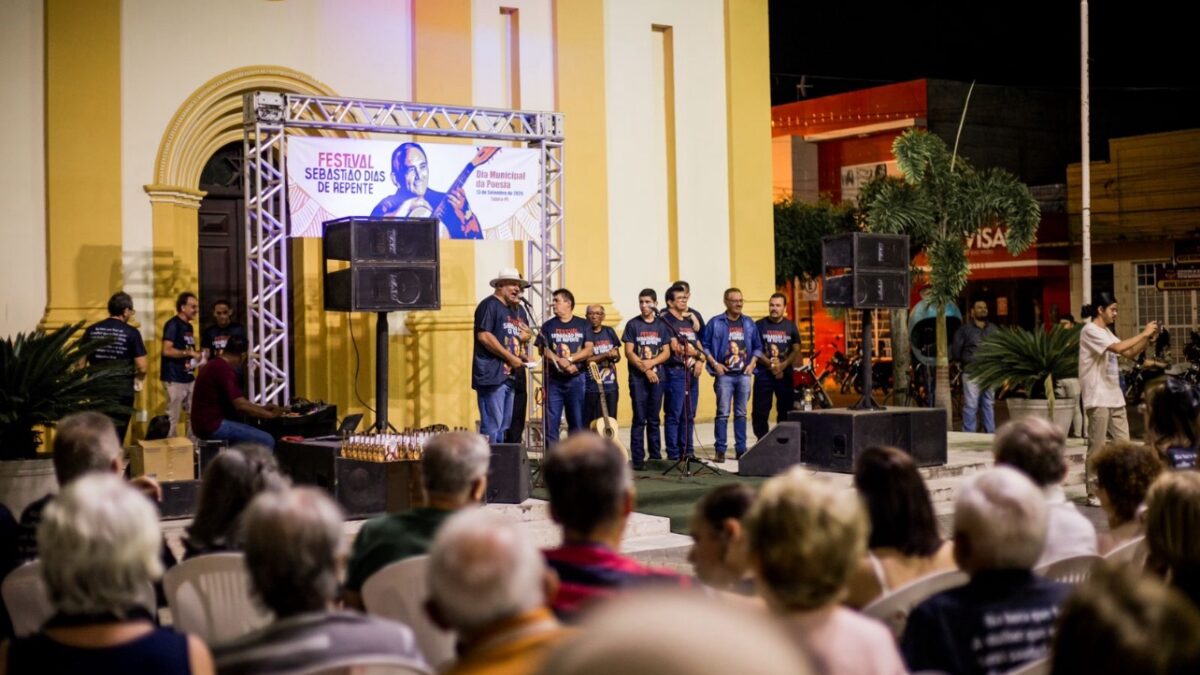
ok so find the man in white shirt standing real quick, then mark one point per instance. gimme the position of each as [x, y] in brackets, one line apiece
[1099, 377]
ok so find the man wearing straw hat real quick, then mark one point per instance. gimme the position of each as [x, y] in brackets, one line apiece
[501, 335]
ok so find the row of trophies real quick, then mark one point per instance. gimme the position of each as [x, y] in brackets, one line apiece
[405, 446]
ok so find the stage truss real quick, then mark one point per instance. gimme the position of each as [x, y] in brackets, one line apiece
[268, 117]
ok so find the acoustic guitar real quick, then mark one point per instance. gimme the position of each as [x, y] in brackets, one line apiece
[604, 425]
[419, 207]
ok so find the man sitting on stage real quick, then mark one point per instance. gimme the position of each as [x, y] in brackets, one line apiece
[217, 400]
[606, 352]
[454, 470]
[732, 340]
[566, 344]
[687, 362]
[647, 347]
[591, 497]
[501, 333]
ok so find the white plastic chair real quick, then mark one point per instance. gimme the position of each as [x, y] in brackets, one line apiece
[367, 666]
[26, 598]
[1132, 552]
[1039, 667]
[893, 609]
[1073, 570]
[210, 597]
[398, 592]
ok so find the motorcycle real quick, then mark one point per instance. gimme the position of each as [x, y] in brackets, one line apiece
[806, 379]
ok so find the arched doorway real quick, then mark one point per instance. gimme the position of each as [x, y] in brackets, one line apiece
[222, 235]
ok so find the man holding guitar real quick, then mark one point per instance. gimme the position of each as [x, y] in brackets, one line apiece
[647, 347]
[414, 199]
[606, 353]
[566, 343]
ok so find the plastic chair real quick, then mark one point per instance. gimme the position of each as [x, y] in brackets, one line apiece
[1073, 570]
[367, 666]
[398, 592]
[1132, 552]
[210, 597]
[1039, 667]
[26, 598]
[893, 609]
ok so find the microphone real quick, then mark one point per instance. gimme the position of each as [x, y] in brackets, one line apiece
[524, 301]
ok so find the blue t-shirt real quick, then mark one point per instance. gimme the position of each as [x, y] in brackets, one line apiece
[505, 323]
[777, 341]
[564, 338]
[126, 343]
[685, 330]
[181, 336]
[602, 343]
[648, 340]
[1181, 458]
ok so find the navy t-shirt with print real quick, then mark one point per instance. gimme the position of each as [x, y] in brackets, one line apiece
[602, 343]
[737, 351]
[648, 340]
[777, 340]
[126, 343]
[181, 336]
[685, 330]
[505, 323]
[214, 337]
[564, 338]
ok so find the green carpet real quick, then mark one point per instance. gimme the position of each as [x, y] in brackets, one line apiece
[673, 496]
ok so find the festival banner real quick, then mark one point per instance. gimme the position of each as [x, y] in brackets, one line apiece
[477, 192]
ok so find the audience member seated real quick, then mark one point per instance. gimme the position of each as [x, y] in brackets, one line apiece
[804, 538]
[1036, 448]
[718, 549]
[292, 546]
[488, 582]
[1119, 622]
[677, 633]
[454, 470]
[99, 542]
[904, 544]
[231, 481]
[1124, 473]
[1173, 422]
[84, 443]
[591, 497]
[1172, 524]
[1004, 617]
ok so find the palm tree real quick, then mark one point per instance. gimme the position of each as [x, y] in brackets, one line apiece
[940, 202]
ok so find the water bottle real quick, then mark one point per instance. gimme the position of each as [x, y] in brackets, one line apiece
[808, 399]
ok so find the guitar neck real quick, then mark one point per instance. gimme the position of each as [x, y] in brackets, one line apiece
[458, 183]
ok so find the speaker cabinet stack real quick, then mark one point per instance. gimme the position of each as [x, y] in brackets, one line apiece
[393, 264]
[831, 440]
[866, 271]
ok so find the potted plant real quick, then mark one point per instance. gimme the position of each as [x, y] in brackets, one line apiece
[1028, 366]
[43, 378]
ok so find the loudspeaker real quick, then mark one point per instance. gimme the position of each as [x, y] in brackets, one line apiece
[865, 271]
[773, 453]
[508, 474]
[831, 440]
[373, 488]
[180, 498]
[394, 264]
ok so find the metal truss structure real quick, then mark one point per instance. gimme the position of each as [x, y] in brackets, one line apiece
[269, 115]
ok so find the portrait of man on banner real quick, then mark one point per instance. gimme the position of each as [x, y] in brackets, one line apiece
[414, 198]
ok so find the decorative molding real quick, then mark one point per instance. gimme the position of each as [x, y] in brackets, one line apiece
[171, 194]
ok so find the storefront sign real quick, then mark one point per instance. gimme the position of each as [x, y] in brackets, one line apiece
[1176, 278]
[1187, 252]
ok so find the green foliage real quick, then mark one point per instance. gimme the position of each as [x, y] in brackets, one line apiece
[799, 227]
[42, 381]
[1023, 360]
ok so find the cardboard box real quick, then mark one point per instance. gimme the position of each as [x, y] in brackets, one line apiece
[168, 459]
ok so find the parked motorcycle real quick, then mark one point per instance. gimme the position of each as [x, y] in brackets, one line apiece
[805, 379]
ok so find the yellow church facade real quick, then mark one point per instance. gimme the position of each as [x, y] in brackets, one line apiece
[117, 106]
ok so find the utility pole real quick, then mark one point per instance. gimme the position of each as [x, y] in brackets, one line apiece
[1085, 210]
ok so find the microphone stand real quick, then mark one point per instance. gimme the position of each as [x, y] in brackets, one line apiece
[531, 400]
[684, 463]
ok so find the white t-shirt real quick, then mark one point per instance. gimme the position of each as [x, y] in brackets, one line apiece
[1099, 376]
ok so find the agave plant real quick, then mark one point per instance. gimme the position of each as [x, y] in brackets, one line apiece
[43, 378]
[1030, 362]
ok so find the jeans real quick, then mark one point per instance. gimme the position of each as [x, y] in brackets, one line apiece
[563, 395]
[732, 391]
[975, 398]
[591, 405]
[680, 423]
[647, 410]
[495, 410]
[767, 387]
[236, 432]
[516, 426]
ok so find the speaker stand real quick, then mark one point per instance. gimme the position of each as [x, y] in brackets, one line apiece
[381, 372]
[867, 402]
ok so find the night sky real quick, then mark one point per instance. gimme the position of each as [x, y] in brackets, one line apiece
[1140, 51]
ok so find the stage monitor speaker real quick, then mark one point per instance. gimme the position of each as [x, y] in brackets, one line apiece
[831, 440]
[394, 264]
[865, 271]
[508, 474]
[773, 453]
